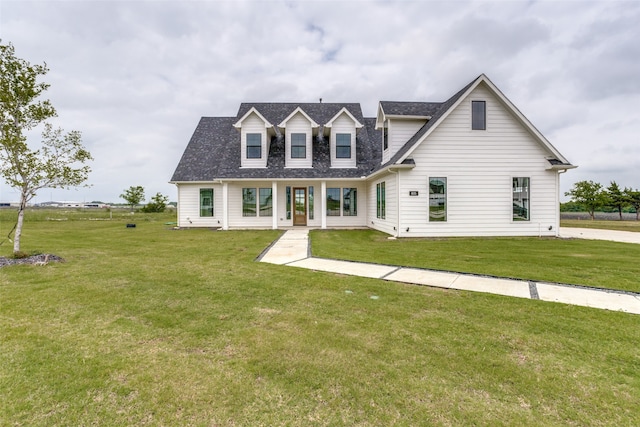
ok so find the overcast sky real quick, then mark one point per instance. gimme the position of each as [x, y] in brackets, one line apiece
[136, 76]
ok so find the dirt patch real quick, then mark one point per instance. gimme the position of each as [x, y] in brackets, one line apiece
[42, 259]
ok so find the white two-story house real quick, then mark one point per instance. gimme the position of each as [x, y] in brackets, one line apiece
[470, 166]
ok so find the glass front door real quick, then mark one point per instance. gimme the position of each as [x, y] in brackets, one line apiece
[300, 209]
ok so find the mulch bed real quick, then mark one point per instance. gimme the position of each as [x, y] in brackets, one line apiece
[41, 259]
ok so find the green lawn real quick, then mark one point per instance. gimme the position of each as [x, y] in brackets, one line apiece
[154, 326]
[584, 262]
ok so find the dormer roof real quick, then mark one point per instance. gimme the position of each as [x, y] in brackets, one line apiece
[253, 110]
[283, 124]
[344, 111]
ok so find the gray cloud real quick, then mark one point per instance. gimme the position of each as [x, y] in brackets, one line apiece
[136, 76]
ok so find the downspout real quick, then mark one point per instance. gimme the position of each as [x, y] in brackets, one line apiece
[397, 227]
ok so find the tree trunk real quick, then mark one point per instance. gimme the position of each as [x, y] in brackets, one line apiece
[18, 232]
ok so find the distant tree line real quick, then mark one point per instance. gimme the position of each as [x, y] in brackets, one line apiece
[135, 194]
[589, 196]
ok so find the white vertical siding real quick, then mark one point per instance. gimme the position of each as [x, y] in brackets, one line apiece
[189, 206]
[343, 124]
[254, 124]
[479, 167]
[299, 124]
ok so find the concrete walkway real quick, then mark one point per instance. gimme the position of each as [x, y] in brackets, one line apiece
[292, 249]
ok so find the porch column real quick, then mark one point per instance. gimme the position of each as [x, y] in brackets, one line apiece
[323, 204]
[274, 204]
[225, 206]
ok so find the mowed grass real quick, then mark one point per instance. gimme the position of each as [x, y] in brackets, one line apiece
[574, 261]
[153, 326]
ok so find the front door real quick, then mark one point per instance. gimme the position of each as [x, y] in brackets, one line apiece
[300, 210]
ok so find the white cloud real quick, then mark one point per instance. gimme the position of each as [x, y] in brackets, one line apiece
[136, 76]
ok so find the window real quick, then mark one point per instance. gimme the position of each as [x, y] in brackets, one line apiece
[298, 146]
[266, 202]
[380, 200]
[478, 115]
[333, 202]
[342, 201]
[343, 146]
[521, 199]
[310, 202]
[254, 146]
[257, 202]
[288, 191]
[349, 202]
[248, 202]
[385, 135]
[437, 199]
[206, 202]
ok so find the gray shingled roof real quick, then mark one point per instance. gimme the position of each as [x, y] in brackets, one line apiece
[214, 151]
[421, 109]
[444, 107]
[321, 113]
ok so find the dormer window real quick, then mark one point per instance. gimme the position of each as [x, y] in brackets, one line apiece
[343, 145]
[385, 135]
[254, 146]
[298, 146]
[478, 115]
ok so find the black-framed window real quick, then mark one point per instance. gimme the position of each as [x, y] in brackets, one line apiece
[521, 199]
[333, 202]
[385, 135]
[310, 202]
[381, 208]
[343, 145]
[437, 199]
[206, 202]
[257, 202]
[266, 202]
[349, 202]
[478, 115]
[249, 202]
[298, 146]
[254, 146]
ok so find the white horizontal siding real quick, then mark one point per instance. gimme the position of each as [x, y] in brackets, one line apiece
[236, 220]
[479, 167]
[359, 220]
[400, 131]
[389, 223]
[189, 206]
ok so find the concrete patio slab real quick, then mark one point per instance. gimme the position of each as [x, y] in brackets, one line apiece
[598, 234]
